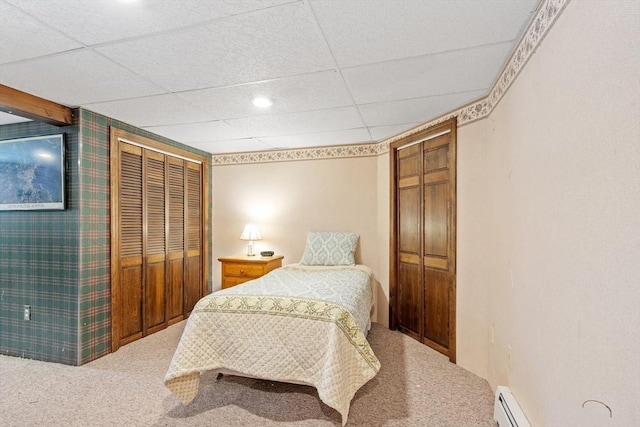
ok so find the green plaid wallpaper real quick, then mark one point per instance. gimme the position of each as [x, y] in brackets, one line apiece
[39, 262]
[58, 261]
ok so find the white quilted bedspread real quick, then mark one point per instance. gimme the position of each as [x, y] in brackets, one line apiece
[297, 324]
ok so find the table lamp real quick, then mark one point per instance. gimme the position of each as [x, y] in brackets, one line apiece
[250, 233]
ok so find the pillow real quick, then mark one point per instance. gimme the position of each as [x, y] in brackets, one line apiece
[330, 248]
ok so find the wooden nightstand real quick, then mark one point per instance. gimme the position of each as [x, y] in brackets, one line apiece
[242, 268]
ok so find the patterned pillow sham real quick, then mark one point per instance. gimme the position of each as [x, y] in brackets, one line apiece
[330, 248]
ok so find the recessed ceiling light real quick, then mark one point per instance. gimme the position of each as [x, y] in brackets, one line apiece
[262, 102]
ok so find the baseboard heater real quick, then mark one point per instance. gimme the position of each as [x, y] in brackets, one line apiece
[506, 411]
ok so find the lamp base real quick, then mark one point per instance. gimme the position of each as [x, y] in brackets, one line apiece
[250, 249]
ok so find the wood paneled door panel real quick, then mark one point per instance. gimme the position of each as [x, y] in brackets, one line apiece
[436, 219]
[157, 233]
[175, 293]
[154, 306]
[191, 291]
[423, 242]
[131, 303]
[410, 297]
[409, 220]
[436, 300]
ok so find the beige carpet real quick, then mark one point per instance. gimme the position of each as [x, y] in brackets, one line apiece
[416, 386]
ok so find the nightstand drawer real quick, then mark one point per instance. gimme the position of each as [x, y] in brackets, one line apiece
[243, 270]
[240, 269]
[228, 282]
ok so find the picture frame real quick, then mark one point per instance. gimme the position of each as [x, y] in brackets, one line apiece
[32, 173]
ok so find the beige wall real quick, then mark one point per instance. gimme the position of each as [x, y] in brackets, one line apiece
[287, 199]
[383, 222]
[472, 325]
[559, 257]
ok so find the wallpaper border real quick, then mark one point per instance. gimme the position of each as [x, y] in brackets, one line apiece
[330, 152]
[546, 15]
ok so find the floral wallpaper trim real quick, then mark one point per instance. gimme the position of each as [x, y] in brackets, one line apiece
[547, 14]
[334, 152]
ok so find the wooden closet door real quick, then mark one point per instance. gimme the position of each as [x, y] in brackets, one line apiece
[154, 238]
[157, 231]
[439, 246]
[175, 240]
[423, 242]
[410, 291]
[193, 277]
[128, 310]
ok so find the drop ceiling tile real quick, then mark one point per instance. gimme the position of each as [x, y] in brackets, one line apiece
[232, 146]
[298, 123]
[290, 94]
[75, 78]
[451, 72]
[22, 37]
[93, 22]
[150, 111]
[340, 137]
[268, 44]
[383, 132]
[409, 28]
[7, 119]
[415, 110]
[198, 132]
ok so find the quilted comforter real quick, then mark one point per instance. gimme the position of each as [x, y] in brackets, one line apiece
[297, 324]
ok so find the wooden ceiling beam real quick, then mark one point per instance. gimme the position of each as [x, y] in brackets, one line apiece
[32, 107]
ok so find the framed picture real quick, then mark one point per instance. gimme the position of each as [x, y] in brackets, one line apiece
[32, 173]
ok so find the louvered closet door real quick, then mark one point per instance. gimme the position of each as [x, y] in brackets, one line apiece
[154, 235]
[193, 277]
[129, 322]
[157, 222]
[175, 242]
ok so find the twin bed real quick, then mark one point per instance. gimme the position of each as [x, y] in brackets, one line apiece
[304, 323]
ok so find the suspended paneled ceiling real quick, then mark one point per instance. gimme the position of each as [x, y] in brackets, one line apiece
[337, 72]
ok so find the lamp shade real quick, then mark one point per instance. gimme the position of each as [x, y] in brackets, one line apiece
[250, 232]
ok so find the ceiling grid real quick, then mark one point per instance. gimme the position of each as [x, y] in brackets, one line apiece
[338, 73]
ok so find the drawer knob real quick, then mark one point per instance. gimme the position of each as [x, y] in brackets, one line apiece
[241, 271]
